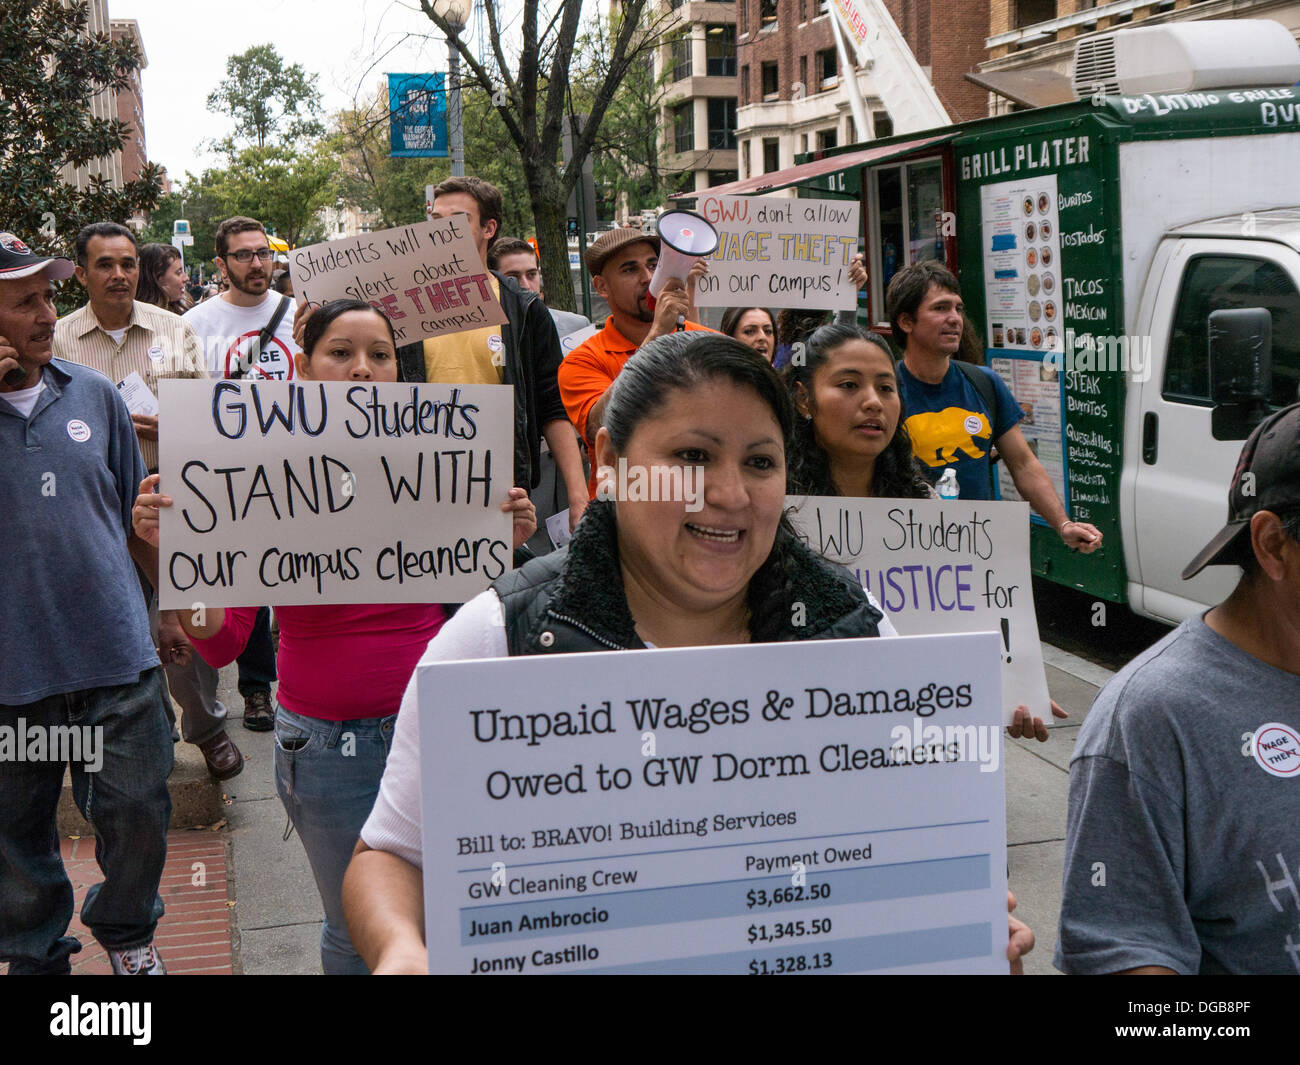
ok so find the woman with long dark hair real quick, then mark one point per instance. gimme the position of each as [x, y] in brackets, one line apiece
[752, 326]
[163, 278]
[849, 437]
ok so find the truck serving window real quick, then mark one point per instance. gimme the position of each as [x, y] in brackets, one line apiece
[908, 218]
[1218, 282]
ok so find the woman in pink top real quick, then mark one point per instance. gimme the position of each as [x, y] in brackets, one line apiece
[343, 669]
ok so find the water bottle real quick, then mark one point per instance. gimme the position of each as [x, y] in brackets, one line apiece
[947, 486]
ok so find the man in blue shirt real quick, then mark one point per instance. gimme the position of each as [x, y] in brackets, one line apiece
[950, 424]
[80, 683]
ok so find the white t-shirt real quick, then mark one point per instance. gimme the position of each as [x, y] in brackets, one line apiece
[226, 331]
[477, 631]
[24, 399]
[117, 334]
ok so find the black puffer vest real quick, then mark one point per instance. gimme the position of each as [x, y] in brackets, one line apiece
[572, 600]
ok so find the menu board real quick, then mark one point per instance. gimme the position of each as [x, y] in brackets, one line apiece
[1039, 391]
[1022, 263]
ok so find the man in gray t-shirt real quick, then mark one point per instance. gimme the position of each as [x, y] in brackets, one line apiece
[1182, 852]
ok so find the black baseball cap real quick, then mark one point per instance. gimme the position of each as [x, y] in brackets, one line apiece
[1267, 477]
[18, 260]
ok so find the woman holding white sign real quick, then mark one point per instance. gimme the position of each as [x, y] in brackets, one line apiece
[718, 567]
[850, 438]
[342, 668]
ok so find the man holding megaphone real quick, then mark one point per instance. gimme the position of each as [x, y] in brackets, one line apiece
[624, 266]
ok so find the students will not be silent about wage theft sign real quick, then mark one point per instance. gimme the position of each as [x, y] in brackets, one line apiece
[289, 493]
[426, 277]
[830, 806]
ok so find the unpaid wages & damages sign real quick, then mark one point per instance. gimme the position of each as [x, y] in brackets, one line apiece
[941, 566]
[777, 252]
[309, 493]
[828, 806]
[426, 277]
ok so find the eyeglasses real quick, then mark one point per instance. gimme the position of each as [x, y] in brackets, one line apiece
[246, 256]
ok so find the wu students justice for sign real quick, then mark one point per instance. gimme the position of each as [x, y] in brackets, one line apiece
[426, 277]
[950, 566]
[303, 493]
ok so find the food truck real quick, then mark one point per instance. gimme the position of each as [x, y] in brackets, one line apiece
[1131, 261]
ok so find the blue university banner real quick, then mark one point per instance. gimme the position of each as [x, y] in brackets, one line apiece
[417, 105]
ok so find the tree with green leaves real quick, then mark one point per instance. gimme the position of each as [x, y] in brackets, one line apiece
[267, 100]
[50, 71]
[530, 91]
[282, 188]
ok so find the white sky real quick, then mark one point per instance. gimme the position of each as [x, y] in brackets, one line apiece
[351, 44]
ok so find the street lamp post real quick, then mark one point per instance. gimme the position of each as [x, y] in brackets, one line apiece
[456, 13]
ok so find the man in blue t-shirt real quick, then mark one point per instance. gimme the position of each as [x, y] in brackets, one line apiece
[948, 421]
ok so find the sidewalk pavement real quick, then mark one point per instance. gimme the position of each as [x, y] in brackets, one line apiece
[277, 913]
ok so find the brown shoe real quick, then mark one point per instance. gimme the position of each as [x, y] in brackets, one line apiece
[223, 757]
[259, 714]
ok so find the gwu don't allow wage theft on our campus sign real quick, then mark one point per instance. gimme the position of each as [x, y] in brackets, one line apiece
[776, 252]
[950, 566]
[829, 806]
[426, 277]
[307, 493]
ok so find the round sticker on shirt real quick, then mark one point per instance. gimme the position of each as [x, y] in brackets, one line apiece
[495, 343]
[973, 424]
[156, 354]
[78, 430]
[1276, 749]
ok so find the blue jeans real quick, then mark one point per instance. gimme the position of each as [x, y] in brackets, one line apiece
[257, 660]
[327, 774]
[127, 802]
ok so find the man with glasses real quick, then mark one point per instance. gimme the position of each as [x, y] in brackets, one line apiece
[247, 331]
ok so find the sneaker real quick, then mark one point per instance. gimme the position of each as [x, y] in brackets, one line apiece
[258, 713]
[137, 961]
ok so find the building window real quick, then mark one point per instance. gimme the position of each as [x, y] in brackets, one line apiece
[803, 143]
[720, 48]
[744, 158]
[766, 15]
[684, 127]
[827, 138]
[744, 84]
[721, 177]
[908, 219]
[803, 71]
[882, 123]
[1031, 12]
[771, 155]
[828, 68]
[682, 56]
[771, 87]
[803, 10]
[722, 123]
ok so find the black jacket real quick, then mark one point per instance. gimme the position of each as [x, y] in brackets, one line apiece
[572, 599]
[532, 360]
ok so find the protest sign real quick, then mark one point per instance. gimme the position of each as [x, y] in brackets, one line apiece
[941, 566]
[777, 252]
[829, 806]
[426, 277]
[306, 493]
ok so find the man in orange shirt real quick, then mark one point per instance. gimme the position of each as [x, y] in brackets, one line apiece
[621, 263]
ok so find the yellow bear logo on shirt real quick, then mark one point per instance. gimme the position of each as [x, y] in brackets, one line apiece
[937, 436]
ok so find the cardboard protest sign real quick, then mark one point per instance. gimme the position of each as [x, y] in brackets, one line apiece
[821, 807]
[778, 252]
[301, 493]
[427, 277]
[941, 566]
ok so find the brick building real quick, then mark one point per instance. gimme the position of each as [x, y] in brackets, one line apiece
[1038, 36]
[130, 102]
[790, 98]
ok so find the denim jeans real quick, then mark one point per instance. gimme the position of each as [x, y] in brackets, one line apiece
[327, 774]
[257, 660]
[127, 802]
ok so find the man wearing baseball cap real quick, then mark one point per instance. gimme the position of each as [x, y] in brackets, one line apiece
[621, 263]
[1181, 851]
[80, 682]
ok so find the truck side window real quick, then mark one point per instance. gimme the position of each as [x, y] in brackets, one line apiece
[1217, 282]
